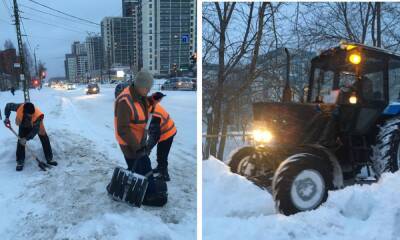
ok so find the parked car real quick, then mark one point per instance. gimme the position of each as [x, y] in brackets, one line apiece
[92, 88]
[70, 86]
[178, 83]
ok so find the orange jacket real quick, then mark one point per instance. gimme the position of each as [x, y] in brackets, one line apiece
[138, 118]
[167, 125]
[36, 115]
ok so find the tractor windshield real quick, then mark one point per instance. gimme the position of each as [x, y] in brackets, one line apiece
[334, 81]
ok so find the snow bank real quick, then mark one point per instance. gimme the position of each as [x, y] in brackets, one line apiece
[234, 208]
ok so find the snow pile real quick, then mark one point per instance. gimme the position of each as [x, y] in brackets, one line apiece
[70, 200]
[234, 208]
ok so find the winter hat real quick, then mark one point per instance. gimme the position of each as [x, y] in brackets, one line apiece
[29, 108]
[144, 79]
[158, 95]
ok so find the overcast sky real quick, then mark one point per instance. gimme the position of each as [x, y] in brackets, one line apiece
[54, 42]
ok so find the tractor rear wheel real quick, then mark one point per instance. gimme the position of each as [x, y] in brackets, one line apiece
[386, 152]
[301, 183]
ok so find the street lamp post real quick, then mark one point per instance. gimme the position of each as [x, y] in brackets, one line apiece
[34, 54]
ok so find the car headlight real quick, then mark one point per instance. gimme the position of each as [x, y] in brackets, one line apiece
[94, 89]
[179, 83]
[263, 135]
[86, 89]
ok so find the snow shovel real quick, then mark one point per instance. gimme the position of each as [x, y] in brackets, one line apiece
[42, 165]
[128, 186]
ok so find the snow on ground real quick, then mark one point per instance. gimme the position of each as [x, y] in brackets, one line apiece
[234, 208]
[70, 201]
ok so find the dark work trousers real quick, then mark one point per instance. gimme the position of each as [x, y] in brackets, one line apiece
[163, 152]
[143, 167]
[23, 132]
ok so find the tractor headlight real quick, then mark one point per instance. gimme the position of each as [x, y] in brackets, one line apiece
[355, 58]
[263, 135]
[353, 99]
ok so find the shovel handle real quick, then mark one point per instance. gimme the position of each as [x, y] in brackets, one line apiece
[26, 147]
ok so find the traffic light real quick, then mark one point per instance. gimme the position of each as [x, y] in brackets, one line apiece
[44, 74]
[175, 67]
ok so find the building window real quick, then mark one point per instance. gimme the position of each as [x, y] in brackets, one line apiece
[150, 5]
[150, 37]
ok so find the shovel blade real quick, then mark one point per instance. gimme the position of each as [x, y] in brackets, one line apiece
[128, 187]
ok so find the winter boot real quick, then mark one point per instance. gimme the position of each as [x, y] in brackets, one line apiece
[161, 173]
[20, 166]
[52, 162]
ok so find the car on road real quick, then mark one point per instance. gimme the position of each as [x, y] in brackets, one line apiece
[70, 86]
[178, 83]
[92, 88]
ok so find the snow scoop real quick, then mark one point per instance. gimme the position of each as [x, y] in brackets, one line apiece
[42, 165]
[128, 186]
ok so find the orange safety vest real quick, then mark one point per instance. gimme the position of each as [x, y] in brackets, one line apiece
[167, 125]
[138, 118]
[36, 115]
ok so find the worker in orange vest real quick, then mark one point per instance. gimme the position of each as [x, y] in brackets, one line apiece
[30, 121]
[131, 117]
[162, 131]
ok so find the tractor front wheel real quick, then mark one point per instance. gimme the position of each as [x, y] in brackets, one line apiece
[301, 183]
[241, 161]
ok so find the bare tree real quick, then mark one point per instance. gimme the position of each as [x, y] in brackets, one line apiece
[239, 29]
[8, 44]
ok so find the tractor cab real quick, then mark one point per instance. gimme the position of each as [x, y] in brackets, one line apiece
[364, 81]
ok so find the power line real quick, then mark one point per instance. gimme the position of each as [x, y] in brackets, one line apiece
[53, 25]
[58, 16]
[26, 35]
[8, 8]
[66, 14]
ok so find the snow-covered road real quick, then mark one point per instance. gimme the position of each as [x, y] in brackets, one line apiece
[70, 201]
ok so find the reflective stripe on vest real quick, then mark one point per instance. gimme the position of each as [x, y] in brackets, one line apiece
[167, 125]
[138, 118]
[20, 114]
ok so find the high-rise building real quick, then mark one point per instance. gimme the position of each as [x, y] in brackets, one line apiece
[78, 48]
[82, 68]
[130, 8]
[94, 47]
[193, 26]
[119, 41]
[71, 67]
[76, 63]
[166, 35]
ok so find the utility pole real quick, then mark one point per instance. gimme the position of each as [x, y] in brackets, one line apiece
[23, 75]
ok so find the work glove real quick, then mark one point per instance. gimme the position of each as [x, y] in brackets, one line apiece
[7, 123]
[22, 141]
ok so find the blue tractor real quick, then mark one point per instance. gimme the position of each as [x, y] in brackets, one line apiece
[344, 130]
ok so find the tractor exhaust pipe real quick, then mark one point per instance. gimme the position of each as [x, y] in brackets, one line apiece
[287, 91]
